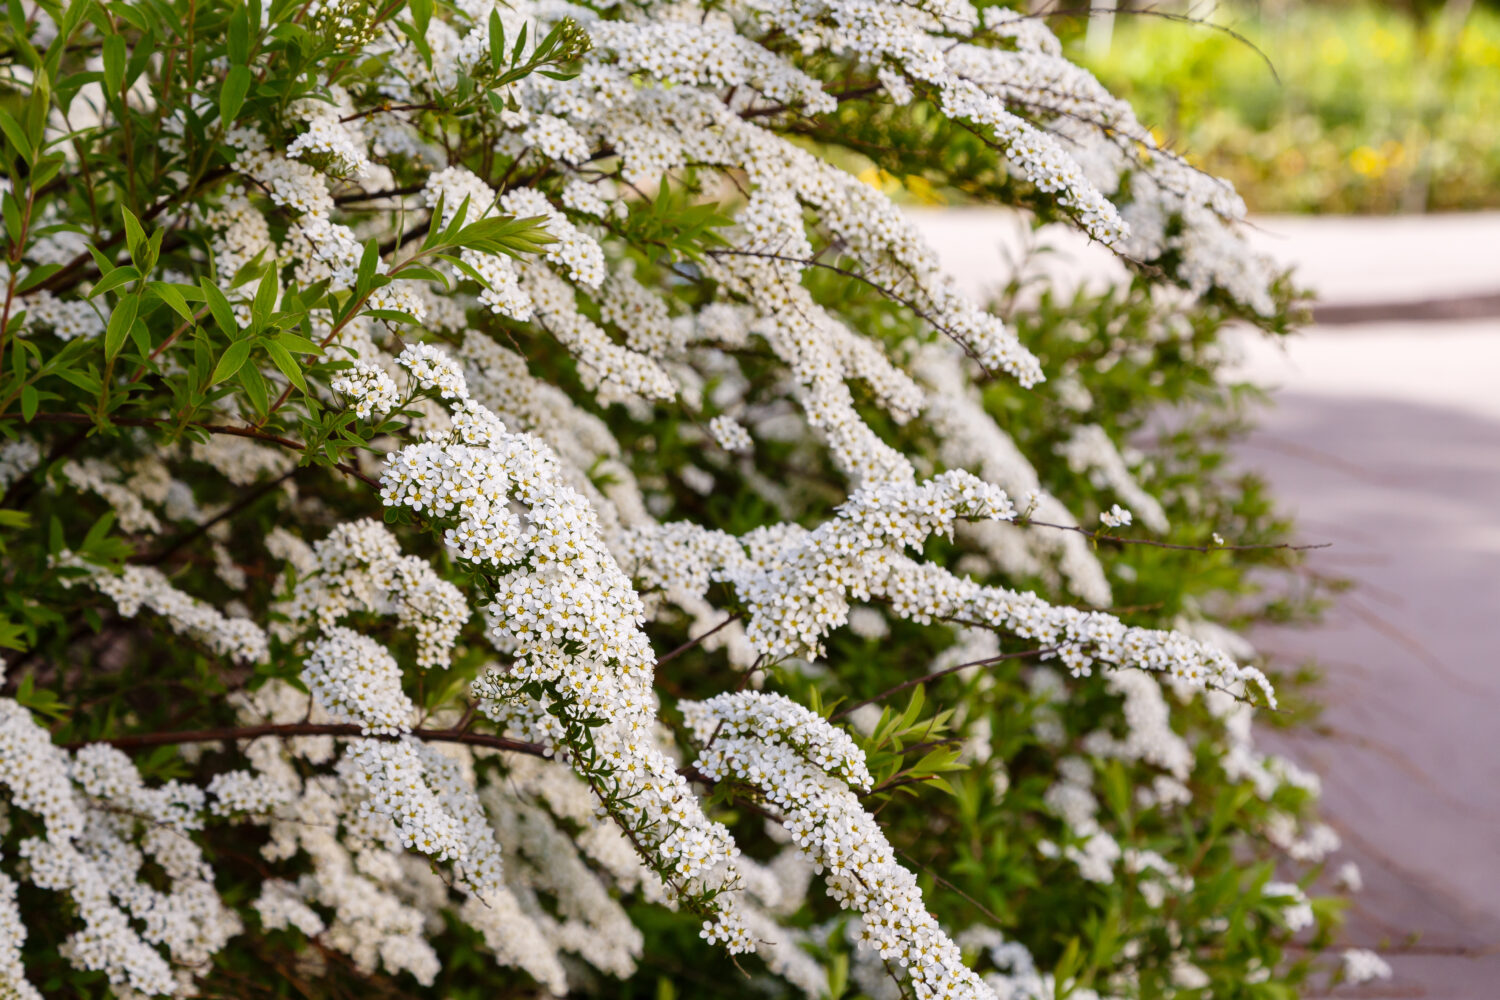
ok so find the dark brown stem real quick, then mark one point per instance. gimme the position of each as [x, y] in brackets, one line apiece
[244, 432]
[138, 741]
[691, 643]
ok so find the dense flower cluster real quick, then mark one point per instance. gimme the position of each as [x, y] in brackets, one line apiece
[805, 769]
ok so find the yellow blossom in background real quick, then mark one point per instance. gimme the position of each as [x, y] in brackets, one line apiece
[1368, 162]
[1383, 43]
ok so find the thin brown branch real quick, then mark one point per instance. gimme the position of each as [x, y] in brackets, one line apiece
[138, 741]
[1100, 536]
[691, 643]
[934, 675]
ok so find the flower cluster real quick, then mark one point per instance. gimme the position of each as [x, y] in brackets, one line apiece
[804, 769]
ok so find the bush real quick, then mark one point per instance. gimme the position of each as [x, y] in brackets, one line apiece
[484, 509]
[1368, 109]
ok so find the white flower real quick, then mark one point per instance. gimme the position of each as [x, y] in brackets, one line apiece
[1362, 965]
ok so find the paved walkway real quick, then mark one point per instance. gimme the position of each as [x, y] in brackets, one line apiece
[1385, 440]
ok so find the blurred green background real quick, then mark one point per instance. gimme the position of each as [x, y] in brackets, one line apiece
[1378, 108]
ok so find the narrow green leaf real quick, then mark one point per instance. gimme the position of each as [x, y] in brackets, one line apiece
[421, 14]
[497, 41]
[172, 296]
[232, 94]
[120, 322]
[434, 227]
[265, 297]
[255, 388]
[153, 250]
[114, 66]
[233, 358]
[29, 402]
[219, 306]
[37, 275]
[114, 279]
[12, 217]
[298, 344]
[101, 259]
[239, 36]
[367, 262]
[135, 236]
[16, 135]
[288, 364]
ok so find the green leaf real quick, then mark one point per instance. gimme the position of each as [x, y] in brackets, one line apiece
[114, 279]
[1067, 968]
[153, 250]
[219, 306]
[239, 36]
[135, 236]
[12, 210]
[120, 322]
[265, 297]
[232, 94]
[255, 388]
[499, 234]
[288, 364]
[421, 14]
[298, 344]
[37, 275]
[12, 635]
[114, 66]
[392, 316]
[231, 361]
[30, 399]
[497, 41]
[172, 296]
[367, 262]
[16, 135]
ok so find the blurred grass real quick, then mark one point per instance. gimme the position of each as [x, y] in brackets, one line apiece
[1376, 111]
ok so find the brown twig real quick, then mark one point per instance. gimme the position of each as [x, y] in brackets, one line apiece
[941, 673]
[691, 643]
[137, 741]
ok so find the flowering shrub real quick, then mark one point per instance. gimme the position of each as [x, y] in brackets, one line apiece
[485, 502]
